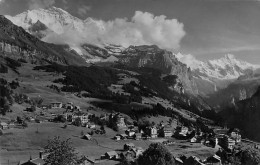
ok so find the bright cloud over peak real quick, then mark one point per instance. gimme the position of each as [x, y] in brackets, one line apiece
[143, 29]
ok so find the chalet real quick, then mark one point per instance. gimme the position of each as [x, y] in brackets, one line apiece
[88, 161]
[152, 132]
[84, 117]
[130, 133]
[4, 125]
[117, 137]
[118, 118]
[111, 155]
[127, 155]
[137, 151]
[213, 160]
[37, 161]
[129, 146]
[178, 161]
[166, 132]
[87, 137]
[138, 136]
[56, 105]
[234, 134]
[227, 143]
[193, 160]
[91, 125]
[123, 136]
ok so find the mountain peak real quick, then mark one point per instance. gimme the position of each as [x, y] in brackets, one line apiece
[229, 56]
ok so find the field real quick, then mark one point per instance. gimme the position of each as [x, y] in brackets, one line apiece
[19, 144]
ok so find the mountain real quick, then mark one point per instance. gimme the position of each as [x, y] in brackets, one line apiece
[17, 43]
[227, 67]
[245, 115]
[156, 58]
[54, 18]
[214, 75]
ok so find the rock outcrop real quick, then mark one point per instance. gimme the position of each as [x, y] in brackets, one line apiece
[163, 60]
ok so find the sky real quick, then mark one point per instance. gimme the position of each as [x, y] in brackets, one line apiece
[209, 28]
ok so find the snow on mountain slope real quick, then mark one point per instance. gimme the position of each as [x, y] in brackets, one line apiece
[54, 18]
[227, 67]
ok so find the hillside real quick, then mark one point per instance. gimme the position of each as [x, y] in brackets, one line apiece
[17, 43]
[245, 115]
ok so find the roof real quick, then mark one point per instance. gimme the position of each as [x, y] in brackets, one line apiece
[178, 160]
[130, 144]
[3, 124]
[111, 153]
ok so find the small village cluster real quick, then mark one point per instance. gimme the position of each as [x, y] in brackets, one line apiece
[223, 138]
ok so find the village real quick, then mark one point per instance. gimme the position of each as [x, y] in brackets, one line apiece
[169, 133]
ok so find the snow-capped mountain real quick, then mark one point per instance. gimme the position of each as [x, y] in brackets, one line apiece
[227, 67]
[54, 18]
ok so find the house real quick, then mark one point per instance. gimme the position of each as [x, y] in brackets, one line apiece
[88, 161]
[178, 161]
[193, 140]
[111, 155]
[129, 146]
[130, 133]
[166, 132]
[117, 137]
[91, 125]
[84, 117]
[227, 143]
[213, 160]
[37, 161]
[152, 132]
[123, 136]
[118, 119]
[193, 160]
[137, 151]
[87, 137]
[4, 125]
[182, 130]
[56, 105]
[127, 155]
[234, 134]
[138, 136]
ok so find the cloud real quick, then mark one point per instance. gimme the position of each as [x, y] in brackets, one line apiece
[2, 1]
[189, 60]
[143, 29]
[36, 4]
[83, 10]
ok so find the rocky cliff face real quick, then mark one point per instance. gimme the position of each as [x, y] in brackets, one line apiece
[245, 115]
[165, 61]
[16, 42]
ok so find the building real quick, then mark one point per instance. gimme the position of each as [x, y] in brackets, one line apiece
[84, 117]
[138, 136]
[37, 161]
[137, 151]
[129, 146]
[234, 134]
[152, 132]
[178, 161]
[88, 161]
[111, 155]
[227, 143]
[117, 137]
[56, 105]
[87, 137]
[166, 132]
[130, 132]
[213, 160]
[118, 119]
[4, 125]
[193, 160]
